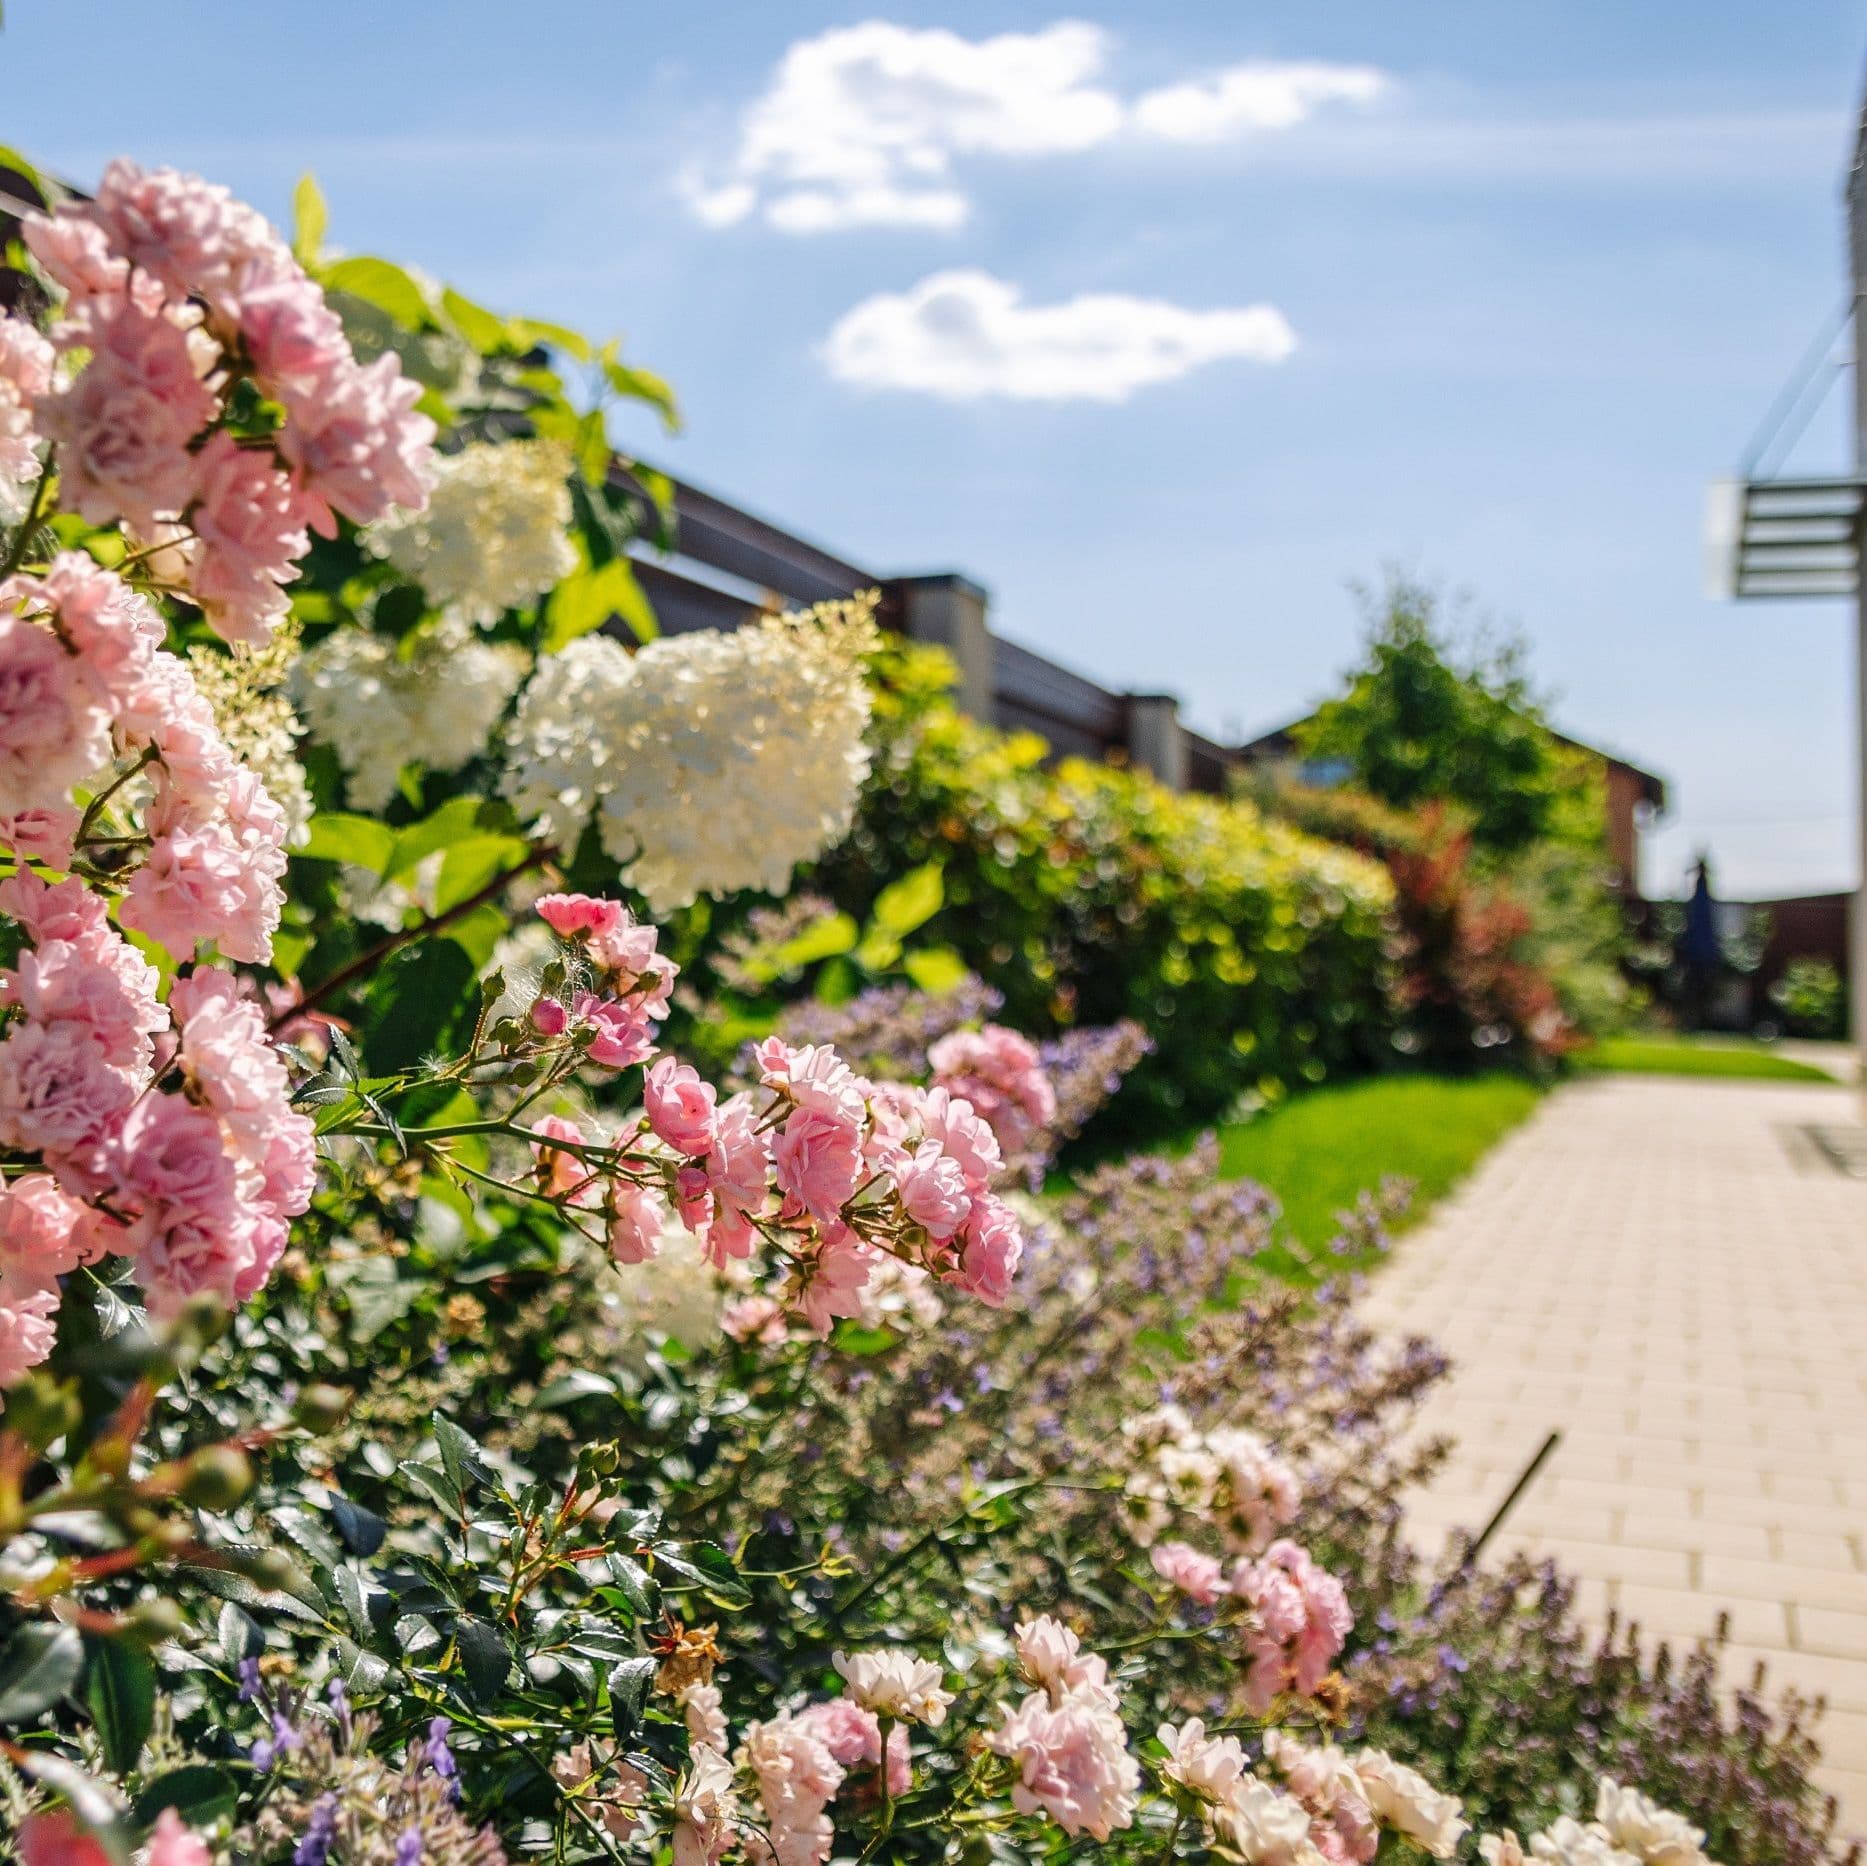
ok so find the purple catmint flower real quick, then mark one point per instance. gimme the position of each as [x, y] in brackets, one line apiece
[247, 1672]
[320, 1835]
[408, 1848]
[439, 1756]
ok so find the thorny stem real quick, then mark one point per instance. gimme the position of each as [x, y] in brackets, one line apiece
[365, 963]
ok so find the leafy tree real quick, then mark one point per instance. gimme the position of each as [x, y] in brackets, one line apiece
[1430, 719]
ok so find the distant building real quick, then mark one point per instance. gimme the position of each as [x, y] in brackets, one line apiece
[1634, 799]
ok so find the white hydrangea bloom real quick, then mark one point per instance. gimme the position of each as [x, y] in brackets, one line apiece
[494, 533]
[379, 711]
[257, 720]
[713, 761]
[676, 1294]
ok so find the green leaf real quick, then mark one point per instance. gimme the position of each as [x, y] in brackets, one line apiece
[936, 969]
[419, 993]
[909, 903]
[198, 1792]
[485, 1658]
[837, 983]
[633, 1579]
[461, 1458]
[240, 1637]
[310, 217]
[358, 841]
[530, 330]
[470, 866]
[640, 385]
[121, 1693]
[850, 1337]
[381, 283]
[822, 939]
[362, 1530]
[479, 326]
[628, 1692]
[586, 599]
[40, 1664]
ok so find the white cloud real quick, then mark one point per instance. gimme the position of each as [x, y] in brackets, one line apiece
[861, 126]
[1254, 96]
[965, 335]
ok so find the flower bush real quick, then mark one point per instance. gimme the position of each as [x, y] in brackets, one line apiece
[1255, 957]
[441, 1422]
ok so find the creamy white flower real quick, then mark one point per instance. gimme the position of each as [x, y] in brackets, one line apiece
[1503, 1849]
[257, 720]
[1406, 1801]
[1653, 1834]
[895, 1684]
[705, 1716]
[1266, 1827]
[712, 761]
[494, 533]
[1568, 1842]
[1207, 1766]
[1052, 1657]
[675, 1294]
[380, 711]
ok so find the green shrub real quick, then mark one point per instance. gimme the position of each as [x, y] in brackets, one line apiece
[1254, 955]
[1810, 997]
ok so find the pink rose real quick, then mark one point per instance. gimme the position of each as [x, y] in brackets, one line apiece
[549, 1018]
[813, 1077]
[680, 1106]
[620, 1031]
[572, 916]
[817, 1158]
[42, 834]
[830, 1284]
[1000, 1073]
[249, 533]
[58, 1092]
[962, 1135]
[171, 1844]
[28, 1325]
[933, 1191]
[561, 1173]
[1199, 1577]
[359, 445]
[43, 1232]
[991, 1247]
[54, 727]
[637, 1216]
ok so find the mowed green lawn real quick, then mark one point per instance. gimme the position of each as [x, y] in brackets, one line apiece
[1731, 1057]
[1320, 1150]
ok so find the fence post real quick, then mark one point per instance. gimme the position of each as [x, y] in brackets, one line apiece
[1156, 739]
[949, 611]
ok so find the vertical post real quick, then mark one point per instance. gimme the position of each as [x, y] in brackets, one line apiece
[1857, 918]
[949, 611]
[1156, 740]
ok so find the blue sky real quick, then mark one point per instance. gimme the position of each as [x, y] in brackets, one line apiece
[1539, 270]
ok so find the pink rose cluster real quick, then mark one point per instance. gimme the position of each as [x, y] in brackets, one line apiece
[799, 1762]
[26, 365]
[1297, 1612]
[1066, 1736]
[175, 292]
[164, 1133]
[834, 1170]
[84, 681]
[1000, 1074]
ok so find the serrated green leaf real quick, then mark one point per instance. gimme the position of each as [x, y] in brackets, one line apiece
[628, 1692]
[240, 1637]
[362, 1529]
[461, 1458]
[485, 1658]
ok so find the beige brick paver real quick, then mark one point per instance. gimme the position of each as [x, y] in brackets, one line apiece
[1649, 1267]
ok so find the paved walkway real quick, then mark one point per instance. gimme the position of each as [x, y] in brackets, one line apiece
[1670, 1274]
